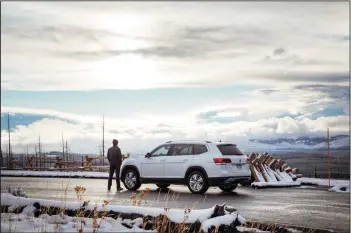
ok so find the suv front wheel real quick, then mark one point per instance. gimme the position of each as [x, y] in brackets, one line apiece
[131, 180]
[197, 182]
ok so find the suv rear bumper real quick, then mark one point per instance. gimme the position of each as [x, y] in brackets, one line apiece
[229, 181]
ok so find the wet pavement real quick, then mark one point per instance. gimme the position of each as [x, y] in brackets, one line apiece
[311, 207]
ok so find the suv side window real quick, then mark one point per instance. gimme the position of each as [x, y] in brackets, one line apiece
[161, 151]
[200, 149]
[182, 149]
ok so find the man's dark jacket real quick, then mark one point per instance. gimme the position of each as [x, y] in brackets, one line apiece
[114, 156]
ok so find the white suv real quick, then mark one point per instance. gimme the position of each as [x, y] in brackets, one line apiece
[197, 164]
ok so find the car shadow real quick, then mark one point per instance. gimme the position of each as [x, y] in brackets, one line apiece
[209, 194]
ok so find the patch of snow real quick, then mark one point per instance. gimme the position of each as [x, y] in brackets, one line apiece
[26, 222]
[55, 174]
[20, 223]
[285, 176]
[217, 221]
[340, 188]
[270, 172]
[276, 184]
[266, 174]
[253, 230]
[241, 219]
[15, 191]
[292, 230]
[175, 215]
[323, 182]
[29, 211]
[278, 176]
[258, 174]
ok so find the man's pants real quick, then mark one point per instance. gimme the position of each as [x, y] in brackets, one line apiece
[114, 168]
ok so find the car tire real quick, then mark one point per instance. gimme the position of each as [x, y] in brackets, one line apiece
[197, 182]
[163, 186]
[131, 180]
[228, 189]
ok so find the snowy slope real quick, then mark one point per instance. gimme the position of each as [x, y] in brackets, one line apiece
[337, 143]
[306, 143]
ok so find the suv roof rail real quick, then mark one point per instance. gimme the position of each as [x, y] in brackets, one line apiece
[188, 141]
[228, 142]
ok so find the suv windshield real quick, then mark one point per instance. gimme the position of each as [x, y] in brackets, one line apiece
[229, 149]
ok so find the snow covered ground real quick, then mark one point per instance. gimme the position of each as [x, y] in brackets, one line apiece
[27, 222]
[285, 144]
[175, 215]
[322, 182]
[276, 178]
[55, 174]
[276, 184]
[341, 188]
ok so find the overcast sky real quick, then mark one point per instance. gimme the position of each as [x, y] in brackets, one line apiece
[166, 71]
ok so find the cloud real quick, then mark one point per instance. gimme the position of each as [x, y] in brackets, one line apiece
[171, 45]
[279, 51]
[297, 102]
[336, 92]
[281, 80]
[177, 52]
[83, 133]
[269, 91]
[281, 56]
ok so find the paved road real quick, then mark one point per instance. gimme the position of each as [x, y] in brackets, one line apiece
[307, 207]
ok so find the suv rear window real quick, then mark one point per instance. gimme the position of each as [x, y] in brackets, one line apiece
[229, 149]
[199, 149]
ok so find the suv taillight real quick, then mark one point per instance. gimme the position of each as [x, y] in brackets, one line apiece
[221, 161]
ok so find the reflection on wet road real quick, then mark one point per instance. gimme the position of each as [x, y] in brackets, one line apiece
[308, 207]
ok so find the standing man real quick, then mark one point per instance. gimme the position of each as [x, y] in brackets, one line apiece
[114, 157]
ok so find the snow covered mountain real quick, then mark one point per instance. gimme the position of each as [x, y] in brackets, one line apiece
[305, 143]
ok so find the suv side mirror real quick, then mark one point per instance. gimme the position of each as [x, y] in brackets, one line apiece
[148, 155]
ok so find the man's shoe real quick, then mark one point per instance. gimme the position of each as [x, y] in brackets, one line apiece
[108, 188]
[119, 189]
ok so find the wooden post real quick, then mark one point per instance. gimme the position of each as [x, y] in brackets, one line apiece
[329, 162]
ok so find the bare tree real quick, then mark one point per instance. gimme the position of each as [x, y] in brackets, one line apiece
[67, 157]
[10, 165]
[7, 157]
[103, 140]
[63, 149]
[1, 159]
[36, 155]
[39, 152]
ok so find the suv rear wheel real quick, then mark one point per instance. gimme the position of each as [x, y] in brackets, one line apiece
[228, 189]
[197, 182]
[131, 180]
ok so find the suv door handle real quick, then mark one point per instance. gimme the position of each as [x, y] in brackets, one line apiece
[184, 160]
[162, 160]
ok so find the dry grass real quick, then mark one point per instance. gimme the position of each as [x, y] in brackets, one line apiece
[276, 228]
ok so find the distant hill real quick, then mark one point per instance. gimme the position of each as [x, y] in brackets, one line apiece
[339, 142]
